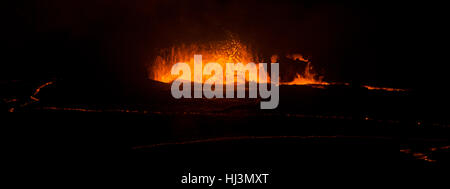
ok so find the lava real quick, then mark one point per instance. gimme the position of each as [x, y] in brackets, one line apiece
[231, 50]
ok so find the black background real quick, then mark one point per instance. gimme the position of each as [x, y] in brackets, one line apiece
[383, 43]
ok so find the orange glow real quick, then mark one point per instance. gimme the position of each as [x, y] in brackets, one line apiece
[297, 56]
[308, 78]
[383, 88]
[222, 52]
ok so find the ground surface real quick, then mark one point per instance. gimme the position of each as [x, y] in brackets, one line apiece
[144, 136]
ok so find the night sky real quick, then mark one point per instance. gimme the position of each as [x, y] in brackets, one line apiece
[116, 40]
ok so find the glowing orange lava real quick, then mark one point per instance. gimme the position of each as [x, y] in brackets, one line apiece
[222, 52]
[308, 78]
[383, 88]
[233, 51]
